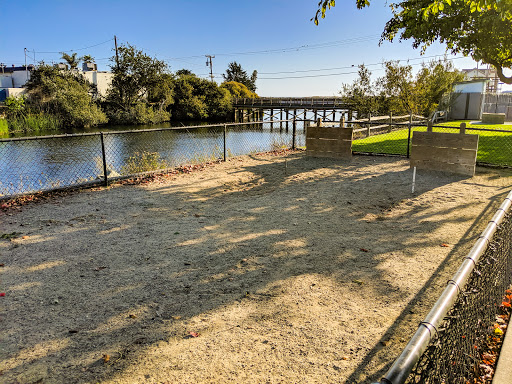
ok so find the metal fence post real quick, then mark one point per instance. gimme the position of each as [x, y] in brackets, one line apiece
[409, 136]
[368, 130]
[224, 134]
[294, 131]
[104, 157]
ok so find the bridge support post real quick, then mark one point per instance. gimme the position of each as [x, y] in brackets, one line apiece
[294, 132]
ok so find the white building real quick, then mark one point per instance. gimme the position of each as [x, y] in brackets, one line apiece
[12, 79]
[488, 73]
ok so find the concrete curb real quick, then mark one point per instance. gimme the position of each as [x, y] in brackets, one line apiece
[503, 374]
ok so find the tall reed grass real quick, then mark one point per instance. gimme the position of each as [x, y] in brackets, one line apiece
[34, 123]
[4, 127]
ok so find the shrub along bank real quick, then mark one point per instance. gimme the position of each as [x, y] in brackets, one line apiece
[142, 92]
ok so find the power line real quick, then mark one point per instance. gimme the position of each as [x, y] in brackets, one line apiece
[335, 74]
[290, 49]
[350, 66]
[77, 49]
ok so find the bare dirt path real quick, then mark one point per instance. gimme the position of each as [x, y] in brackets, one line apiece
[258, 270]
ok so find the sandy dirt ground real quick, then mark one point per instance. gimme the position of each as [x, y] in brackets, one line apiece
[264, 269]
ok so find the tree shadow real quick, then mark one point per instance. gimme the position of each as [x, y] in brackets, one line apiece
[158, 265]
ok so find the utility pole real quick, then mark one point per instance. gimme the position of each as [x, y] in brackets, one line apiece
[117, 54]
[26, 69]
[210, 63]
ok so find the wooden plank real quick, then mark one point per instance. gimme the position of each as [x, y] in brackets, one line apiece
[334, 155]
[445, 140]
[329, 132]
[328, 145]
[433, 165]
[447, 155]
[379, 126]
[317, 143]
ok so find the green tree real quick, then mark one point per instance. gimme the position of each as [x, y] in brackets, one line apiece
[184, 72]
[72, 59]
[398, 88]
[361, 94]
[399, 92]
[235, 72]
[135, 76]
[16, 106]
[481, 29]
[434, 83]
[140, 92]
[87, 59]
[238, 90]
[199, 99]
[64, 94]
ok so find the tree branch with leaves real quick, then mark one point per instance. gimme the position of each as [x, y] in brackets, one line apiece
[481, 29]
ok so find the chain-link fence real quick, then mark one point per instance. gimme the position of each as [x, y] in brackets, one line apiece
[454, 357]
[52, 162]
[447, 345]
[385, 135]
[494, 146]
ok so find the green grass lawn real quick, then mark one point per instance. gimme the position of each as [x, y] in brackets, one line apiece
[493, 147]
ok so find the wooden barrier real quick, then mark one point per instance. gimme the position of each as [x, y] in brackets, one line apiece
[329, 141]
[446, 152]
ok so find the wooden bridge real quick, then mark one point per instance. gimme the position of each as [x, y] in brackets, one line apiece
[286, 108]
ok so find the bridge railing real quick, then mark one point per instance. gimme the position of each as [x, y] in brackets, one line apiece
[291, 101]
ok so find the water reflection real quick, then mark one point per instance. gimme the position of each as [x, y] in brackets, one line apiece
[41, 163]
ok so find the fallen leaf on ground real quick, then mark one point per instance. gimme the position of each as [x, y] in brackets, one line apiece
[193, 334]
[444, 245]
[106, 358]
[2, 294]
[363, 250]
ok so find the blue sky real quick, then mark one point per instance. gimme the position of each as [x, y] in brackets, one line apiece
[276, 37]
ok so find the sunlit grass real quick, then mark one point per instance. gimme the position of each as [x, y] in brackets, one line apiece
[493, 147]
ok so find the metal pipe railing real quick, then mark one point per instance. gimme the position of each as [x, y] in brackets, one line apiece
[427, 330]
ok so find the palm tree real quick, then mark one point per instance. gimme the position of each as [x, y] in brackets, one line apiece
[72, 60]
[87, 59]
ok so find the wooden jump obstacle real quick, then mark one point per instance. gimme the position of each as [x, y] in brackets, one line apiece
[446, 152]
[328, 140]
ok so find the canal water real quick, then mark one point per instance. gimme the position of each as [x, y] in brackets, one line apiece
[43, 163]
